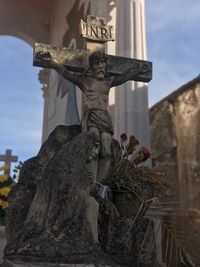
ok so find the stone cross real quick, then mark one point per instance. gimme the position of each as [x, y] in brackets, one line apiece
[8, 158]
[96, 34]
[94, 73]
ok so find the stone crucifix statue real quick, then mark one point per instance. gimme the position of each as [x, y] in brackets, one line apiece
[94, 73]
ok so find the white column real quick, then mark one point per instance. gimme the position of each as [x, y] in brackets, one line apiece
[131, 99]
[43, 77]
[45, 131]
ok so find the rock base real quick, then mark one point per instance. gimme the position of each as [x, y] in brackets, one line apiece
[3, 241]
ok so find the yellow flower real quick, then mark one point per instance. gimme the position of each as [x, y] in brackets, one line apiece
[3, 204]
[4, 191]
[4, 177]
[5, 168]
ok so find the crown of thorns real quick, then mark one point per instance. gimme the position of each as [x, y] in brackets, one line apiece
[97, 56]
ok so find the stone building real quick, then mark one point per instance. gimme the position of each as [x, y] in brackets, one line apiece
[175, 137]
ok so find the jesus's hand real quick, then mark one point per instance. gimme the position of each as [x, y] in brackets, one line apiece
[44, 55]
[47, 57]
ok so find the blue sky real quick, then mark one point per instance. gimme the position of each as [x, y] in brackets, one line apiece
[21, 102]
[173, 40]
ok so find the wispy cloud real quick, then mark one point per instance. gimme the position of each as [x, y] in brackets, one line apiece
[173, 44]
[21, 103]
[166, 14]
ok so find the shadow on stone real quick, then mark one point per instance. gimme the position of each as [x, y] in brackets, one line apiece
[53, 220]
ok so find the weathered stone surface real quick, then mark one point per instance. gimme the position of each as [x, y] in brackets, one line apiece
[3, 240]
[95, 29]
[61, 219]
[31, 174]
[55, 220]
[8, 263]
[187, 110]
[78, 61]
[175, 134]
[164, 145]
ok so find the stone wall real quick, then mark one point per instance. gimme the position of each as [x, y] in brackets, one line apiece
[175, 136]
[164, 144]
[187, 111]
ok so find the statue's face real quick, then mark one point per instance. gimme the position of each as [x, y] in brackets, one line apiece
[99, 67]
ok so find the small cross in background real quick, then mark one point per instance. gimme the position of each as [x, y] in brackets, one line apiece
[8, 158]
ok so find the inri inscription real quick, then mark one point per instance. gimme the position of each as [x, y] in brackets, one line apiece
[97, 30]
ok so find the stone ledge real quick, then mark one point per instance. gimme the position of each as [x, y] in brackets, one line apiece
[7, 263]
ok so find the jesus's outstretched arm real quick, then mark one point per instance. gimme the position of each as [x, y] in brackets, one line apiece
[122, 78]
[71, 76]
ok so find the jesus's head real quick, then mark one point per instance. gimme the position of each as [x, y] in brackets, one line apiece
[97, 63]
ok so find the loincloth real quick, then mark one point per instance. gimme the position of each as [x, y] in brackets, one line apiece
[101, 120]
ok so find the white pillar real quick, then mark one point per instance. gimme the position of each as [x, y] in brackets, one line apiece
[43, 77]
[131, 99]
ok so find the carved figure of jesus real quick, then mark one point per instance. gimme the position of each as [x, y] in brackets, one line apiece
[95, 84]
